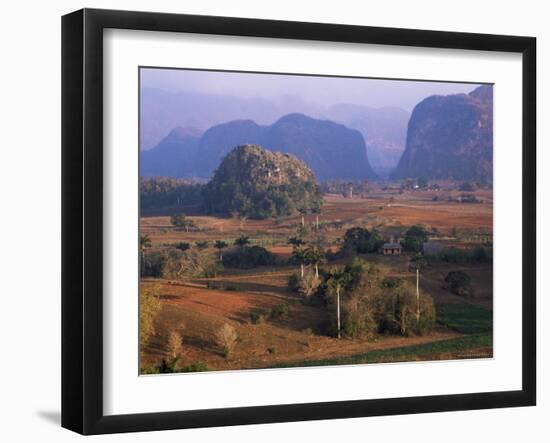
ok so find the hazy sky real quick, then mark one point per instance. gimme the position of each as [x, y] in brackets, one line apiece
[324, 91]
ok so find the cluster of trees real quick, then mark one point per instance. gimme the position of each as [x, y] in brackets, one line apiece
[181, 221]
[364, 302]
[359, 240]
[185, 260]
[179, 263]
[345, 188]
[164, 193]
[414, 239]
[246, 256]
[477, 255]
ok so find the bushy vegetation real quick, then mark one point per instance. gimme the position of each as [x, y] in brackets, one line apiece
[247, 257]
[256, 183]
[257, 317]
[361, 241]
[415, 237]
[460, 283]
[149, 307]
[166, 193]
[372, 303]
[174, 343]
[182, 221]
[170, 366]
[344, 187]
[179, 264]
[467, 187]
[280, 311]
[226, 338]
[477, 255]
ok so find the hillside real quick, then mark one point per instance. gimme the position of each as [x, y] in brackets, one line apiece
[256, 183]
[173, 156]
[450, 137]
[331, 150]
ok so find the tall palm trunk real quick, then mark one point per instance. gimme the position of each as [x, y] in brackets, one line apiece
[338, 308]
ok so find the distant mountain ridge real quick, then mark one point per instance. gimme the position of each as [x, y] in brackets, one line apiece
[384, 130]
[330, 149]
[450, 137]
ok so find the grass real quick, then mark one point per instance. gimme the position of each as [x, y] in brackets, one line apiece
[406, 353]
[465, 318]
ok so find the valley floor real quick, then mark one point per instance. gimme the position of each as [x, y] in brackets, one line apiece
[195, 309]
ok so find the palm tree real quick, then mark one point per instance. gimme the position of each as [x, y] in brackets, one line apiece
[299, 255]
[336, 282]
[182, 246]
[219, 245]
[201, 245]
[298, 252]
[418, 262]
[242, 241]
[315, 255]
[144, 242]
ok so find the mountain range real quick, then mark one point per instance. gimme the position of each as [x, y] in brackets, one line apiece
[446, 136]
[384, 129]
[331, 150]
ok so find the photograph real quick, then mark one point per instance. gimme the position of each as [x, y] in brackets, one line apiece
[290, 220]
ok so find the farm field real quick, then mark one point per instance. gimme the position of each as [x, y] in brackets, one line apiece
[275, 328]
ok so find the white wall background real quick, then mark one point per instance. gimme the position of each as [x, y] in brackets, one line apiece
[30, 221]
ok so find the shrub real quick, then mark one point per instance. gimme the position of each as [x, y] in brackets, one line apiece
[195, 367]
[469, 198]
[191, 263]
[279, 311]
[247, 257]
[480, 255]
[152, 264]
[467, 187]
[174, 344]
[459, 282]
[309, 285]
[168, 366]
[149, 307]
[357, 320]
[226, 339]
[182, 246]
[293, 282]
[390, 282]
[201, 244]
[181, 221]
[256, 318]
[231, 288]
[453, 255]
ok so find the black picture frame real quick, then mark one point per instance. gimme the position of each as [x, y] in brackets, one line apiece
[82, 218]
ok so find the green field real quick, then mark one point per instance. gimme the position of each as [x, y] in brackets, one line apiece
[465, 318]
[406, 353]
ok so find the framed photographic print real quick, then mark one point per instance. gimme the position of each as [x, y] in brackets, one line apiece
[270, 221]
